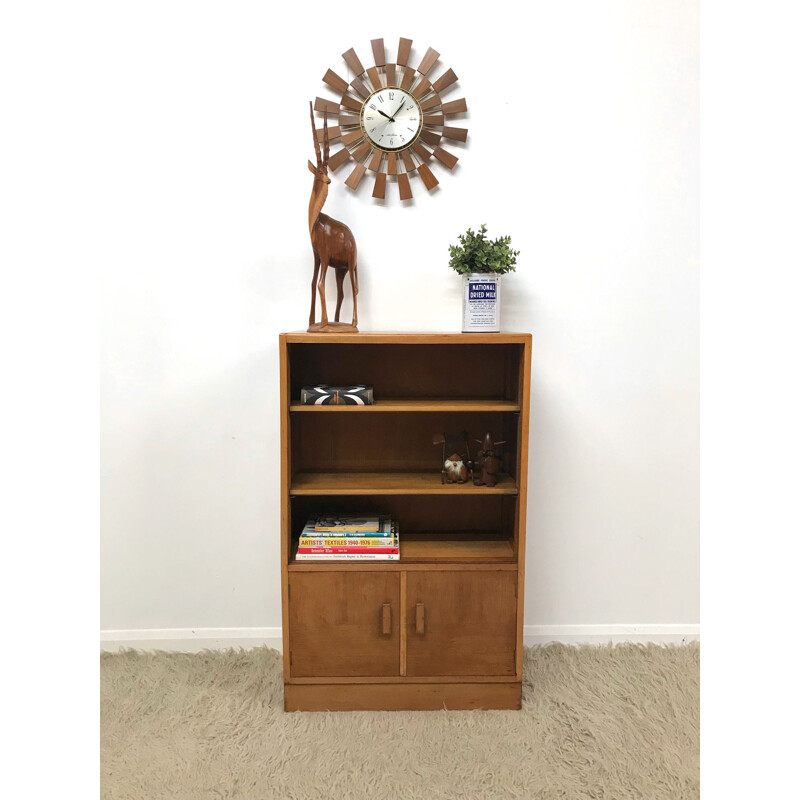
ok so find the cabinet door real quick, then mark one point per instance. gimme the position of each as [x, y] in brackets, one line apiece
[461, 623]
[344, 624]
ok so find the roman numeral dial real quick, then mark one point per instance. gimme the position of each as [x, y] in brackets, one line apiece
[391, 119]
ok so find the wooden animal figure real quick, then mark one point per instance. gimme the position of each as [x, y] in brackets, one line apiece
[455, 469]
[487, 462]
[332, 242]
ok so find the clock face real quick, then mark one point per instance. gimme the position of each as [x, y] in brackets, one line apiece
[391, 119]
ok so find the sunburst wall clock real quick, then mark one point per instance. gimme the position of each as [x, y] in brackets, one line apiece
[391, 118]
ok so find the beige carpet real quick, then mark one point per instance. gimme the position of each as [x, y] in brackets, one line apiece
[605, 722]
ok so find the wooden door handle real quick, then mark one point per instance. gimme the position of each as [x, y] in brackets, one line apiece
[386, 626]
[420, 618]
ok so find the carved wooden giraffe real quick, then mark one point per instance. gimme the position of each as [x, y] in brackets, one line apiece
[332, 242]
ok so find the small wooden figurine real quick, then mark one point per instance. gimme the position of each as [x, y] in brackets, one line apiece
[332, 242]
[487, 462]
[456, 467]
[456, 470]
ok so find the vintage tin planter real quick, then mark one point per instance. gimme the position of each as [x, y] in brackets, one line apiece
[480, 303]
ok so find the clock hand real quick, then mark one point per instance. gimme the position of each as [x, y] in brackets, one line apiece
[398, 109]
[392, 117]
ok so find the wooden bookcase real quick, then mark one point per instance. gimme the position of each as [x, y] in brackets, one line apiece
[442, 627]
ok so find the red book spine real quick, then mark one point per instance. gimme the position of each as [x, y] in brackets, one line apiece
[322, 550]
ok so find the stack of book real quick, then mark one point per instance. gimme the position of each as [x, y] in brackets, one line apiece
[350, 537]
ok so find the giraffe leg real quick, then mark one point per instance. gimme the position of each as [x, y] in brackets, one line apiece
[313, 314]
[321, 286]
[339, 291]
[354, 287]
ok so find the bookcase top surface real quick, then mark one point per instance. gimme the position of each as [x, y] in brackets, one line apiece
[302, 337]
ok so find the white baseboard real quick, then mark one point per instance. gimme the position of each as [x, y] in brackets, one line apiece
[611, 634]
[193, 640]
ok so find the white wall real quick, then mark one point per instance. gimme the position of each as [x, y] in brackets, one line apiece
[583, 146]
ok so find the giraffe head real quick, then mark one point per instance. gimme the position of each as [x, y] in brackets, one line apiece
[320, 171]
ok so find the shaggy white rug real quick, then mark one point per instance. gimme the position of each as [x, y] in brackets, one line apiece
[596, 722]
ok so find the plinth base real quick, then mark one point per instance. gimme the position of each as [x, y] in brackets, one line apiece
[332, 327]
[401, 696]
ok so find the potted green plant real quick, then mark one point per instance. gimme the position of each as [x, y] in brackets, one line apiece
[481, 261]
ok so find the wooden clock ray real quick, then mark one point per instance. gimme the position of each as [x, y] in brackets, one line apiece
[391, 118]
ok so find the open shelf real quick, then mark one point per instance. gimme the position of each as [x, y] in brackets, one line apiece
[418, 369]
[424, 548]
[415, 405]
[339, 483]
